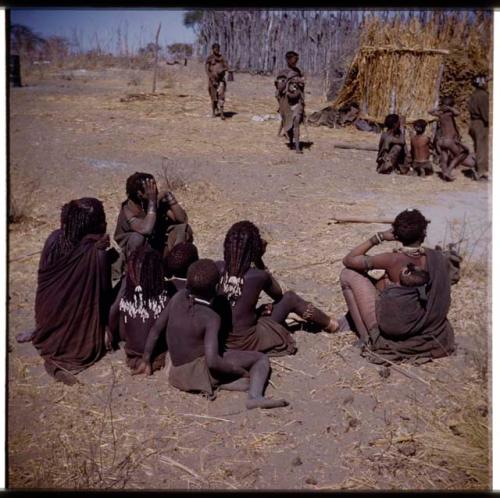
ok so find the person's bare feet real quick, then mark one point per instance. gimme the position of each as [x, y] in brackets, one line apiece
[332, 327]
[265, 403]
[25, 336]
[67, 378]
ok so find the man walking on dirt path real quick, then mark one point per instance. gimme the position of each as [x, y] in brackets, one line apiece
[479, 125]
[289, 85]
[216, 67]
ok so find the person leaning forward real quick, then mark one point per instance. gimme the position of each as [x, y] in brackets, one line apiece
[146, 217]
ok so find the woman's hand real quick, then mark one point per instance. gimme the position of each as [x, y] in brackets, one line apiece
[388, 235]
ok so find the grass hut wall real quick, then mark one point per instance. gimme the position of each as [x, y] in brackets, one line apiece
[385, 80]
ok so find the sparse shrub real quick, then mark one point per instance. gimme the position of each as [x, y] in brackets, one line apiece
[169, 179]
[21, 200]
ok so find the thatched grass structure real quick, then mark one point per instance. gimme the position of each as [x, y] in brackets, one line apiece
[404, 67]
[389, 79]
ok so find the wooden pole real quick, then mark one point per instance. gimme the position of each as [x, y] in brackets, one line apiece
[361, 219]
[156, 58]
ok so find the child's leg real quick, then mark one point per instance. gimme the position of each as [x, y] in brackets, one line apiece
[292, 302]
[258, 366]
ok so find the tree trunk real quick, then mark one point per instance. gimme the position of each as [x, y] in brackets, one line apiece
[156, 58]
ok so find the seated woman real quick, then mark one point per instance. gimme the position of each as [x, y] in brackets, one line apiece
[73, 292]
[141, 299]
[390, 318]
[243, 277]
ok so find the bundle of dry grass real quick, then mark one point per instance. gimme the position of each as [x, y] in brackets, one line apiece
[404, 66]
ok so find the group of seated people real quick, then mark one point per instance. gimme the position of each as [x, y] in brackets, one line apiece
[446, 145]
[204, 313]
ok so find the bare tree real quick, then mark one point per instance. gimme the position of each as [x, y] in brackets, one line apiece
[156, 57]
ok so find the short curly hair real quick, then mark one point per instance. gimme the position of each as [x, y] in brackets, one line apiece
[420, 123]
[410, 226]
[203, 277]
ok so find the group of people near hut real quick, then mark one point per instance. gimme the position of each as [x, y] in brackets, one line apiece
[203, 313]
[394, 156]
[393, 152]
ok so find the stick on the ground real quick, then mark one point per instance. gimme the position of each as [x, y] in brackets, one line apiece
[26, 256]
[399, 369]
[361, 219]
[286, 367]
[356, 147]
[174, 463]
[317, 263]
[207, 417]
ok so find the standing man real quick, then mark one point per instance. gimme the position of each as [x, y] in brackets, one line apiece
[289, 85]
[479, 125]
[216, 67]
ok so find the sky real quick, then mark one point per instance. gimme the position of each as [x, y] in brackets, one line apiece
[90, 26]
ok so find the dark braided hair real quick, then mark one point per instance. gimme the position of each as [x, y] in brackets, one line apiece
[242, 247]
[409, 226]
[79, 218]
[179, 258]
[144, 269]
[135, 184]
[202, 278]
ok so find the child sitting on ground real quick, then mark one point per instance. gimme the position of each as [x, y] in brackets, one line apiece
[192, 331]
[392, 147]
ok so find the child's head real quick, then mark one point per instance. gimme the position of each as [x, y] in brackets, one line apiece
[448, 100]
[202, 278]
[413, 276]
[180, 258]
[419, 125]
[391, 121]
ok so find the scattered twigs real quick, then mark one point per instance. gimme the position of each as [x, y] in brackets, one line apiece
[286, 367]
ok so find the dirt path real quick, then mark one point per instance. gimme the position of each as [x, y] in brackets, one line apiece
[350, 424]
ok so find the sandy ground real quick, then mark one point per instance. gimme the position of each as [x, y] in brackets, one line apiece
[350, 424]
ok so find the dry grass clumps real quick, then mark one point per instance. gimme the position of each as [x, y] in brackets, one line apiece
[22, 196]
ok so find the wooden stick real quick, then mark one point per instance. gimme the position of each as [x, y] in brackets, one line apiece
[174, 463]
[206, 416]
[356, 147]
[360, 219]
[399, 369]
[26, 256]
[286, 367]
[307, 265]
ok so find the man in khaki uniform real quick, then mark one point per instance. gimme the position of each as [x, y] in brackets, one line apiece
[479, 125]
